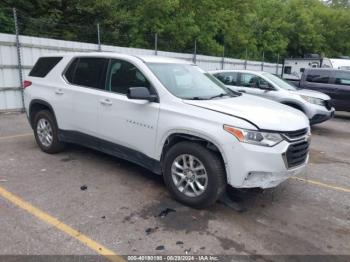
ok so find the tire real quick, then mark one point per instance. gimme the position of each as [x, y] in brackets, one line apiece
[215, 184]
[53, 145]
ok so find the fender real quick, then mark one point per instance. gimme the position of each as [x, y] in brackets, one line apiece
[40, 102]
[294, 104]
[159, 150]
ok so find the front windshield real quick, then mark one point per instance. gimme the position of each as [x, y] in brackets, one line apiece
[189, 81]
[279, 82]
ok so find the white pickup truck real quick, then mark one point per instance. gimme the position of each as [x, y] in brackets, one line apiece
[168, 116]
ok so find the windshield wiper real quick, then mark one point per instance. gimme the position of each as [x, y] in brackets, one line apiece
[219, 95]
[196, 98]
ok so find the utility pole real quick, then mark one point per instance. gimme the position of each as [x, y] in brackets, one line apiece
[98, 37]
[156, 44]
[195, 51]
[263, 60]
[277, 65]
[223, 57]
[19, 61]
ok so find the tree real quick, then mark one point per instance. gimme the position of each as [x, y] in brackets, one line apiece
[6, 21]
[285, 27]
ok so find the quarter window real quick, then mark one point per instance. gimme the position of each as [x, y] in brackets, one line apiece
[342, 78]
[122, 75]
[44, 65]
[87, 71]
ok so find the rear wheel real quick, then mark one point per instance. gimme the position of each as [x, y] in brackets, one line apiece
[194, 175]
[46, 132]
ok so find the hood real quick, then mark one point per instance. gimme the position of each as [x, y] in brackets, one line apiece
[263, 113]
[305, 92]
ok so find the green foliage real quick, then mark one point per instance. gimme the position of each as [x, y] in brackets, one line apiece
[6, 21]
[241, 27]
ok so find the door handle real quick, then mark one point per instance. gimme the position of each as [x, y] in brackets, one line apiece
[106, 102]
[242, 91]
[59, 92]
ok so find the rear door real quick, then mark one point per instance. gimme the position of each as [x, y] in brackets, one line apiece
[86, 76]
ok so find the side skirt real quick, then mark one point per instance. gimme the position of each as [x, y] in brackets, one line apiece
[111, 149]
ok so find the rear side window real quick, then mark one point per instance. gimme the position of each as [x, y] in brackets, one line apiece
[342, 78]
[87, 71]
[318, 77]
[44, 65]
[228, 78]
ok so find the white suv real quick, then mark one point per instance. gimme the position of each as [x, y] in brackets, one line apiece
[168, 116]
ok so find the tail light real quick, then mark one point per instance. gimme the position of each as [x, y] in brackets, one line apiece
[26, 83]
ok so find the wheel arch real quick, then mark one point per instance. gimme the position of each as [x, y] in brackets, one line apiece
[37, 105]
[177, 136]
[294, 105]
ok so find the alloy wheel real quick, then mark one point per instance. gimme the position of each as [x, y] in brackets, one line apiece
[189, 175]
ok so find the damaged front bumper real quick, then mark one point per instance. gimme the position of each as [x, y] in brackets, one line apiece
[271, 179]
[251, 166]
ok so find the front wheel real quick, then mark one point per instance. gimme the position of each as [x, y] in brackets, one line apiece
[194, 174]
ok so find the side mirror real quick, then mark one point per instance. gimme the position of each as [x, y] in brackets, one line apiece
[141, 93]
[265, 87]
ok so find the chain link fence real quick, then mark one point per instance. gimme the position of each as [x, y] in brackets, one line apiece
[107, 37]
[107, 34]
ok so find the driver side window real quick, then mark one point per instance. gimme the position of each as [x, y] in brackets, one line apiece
[122, 75]
[253, 81]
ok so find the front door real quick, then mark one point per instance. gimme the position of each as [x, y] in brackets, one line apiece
[130, 125]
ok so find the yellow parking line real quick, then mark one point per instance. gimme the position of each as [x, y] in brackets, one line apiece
[338, 188]
[100, 249]
[15, 136]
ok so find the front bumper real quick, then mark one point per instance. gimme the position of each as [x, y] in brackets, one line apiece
[271, 179]
[250, 166]
[320, 114]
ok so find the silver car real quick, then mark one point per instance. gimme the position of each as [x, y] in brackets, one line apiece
[315, 105]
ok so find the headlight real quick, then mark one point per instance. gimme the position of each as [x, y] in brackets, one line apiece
[254, 137]
[313, 100]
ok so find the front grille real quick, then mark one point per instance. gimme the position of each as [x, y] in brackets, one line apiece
[293, 135]
[328, 104]
[297, 154]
